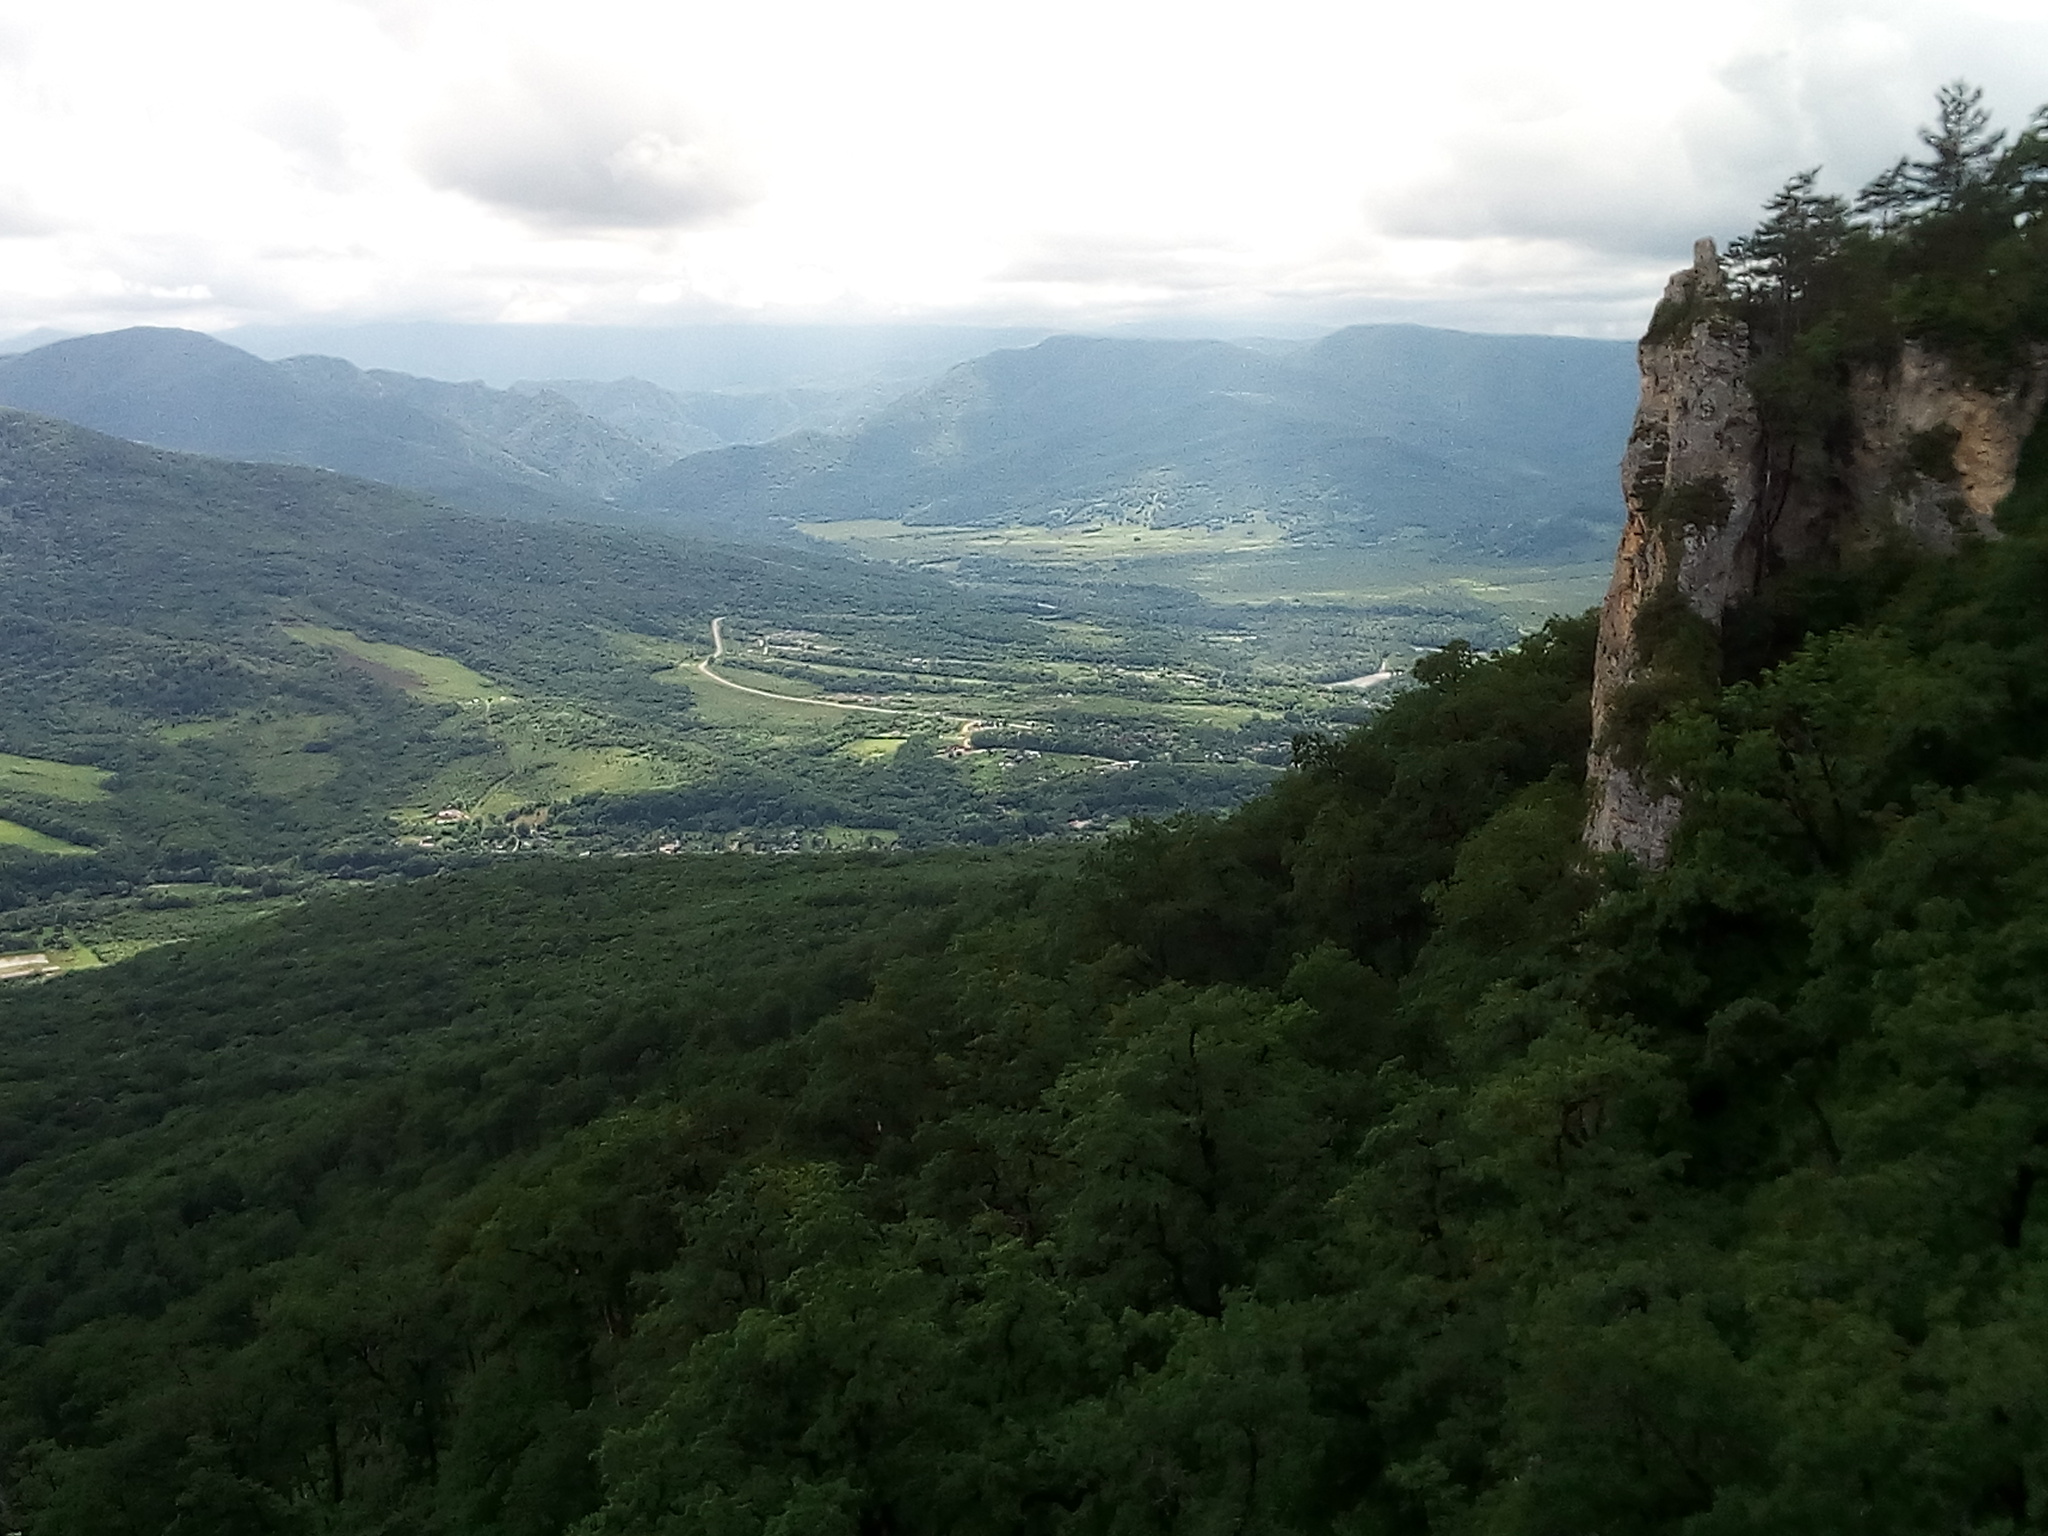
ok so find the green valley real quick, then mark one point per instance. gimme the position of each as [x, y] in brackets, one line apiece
[228, 685]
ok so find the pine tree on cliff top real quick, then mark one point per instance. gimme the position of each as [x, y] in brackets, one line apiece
[1965, 156]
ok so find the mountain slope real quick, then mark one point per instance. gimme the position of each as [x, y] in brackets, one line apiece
[1496, 442]
[493, 450]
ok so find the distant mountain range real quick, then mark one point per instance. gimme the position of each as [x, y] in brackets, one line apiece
[1502, 444]
[534, 449]
[530, 454]
[876, 362]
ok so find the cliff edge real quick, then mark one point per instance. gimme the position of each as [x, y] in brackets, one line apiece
[1718, 501]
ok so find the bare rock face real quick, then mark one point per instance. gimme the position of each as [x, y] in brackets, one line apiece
[1714, 506]
[1688, 477]
[1936, 454]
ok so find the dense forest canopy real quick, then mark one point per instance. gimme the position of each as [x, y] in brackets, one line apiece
[1367, 1160]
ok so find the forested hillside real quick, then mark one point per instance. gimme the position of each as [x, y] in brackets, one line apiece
[1370, 1159]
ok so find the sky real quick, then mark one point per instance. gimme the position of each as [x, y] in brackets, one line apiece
[1286, 167]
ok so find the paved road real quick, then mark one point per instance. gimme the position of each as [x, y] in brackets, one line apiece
[718, 652]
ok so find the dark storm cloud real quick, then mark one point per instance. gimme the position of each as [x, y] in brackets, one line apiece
[568, 153]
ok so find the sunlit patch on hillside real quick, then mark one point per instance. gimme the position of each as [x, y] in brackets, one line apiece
[14, 835]
[50, 780]
[440, 678]
[873, 749]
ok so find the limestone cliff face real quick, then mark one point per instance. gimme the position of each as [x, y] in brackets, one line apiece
[1714, 506]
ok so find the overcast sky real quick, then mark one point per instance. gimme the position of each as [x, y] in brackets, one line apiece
[1281, 166]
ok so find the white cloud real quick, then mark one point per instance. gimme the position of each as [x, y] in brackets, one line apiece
[1696, 127]
[570, 150]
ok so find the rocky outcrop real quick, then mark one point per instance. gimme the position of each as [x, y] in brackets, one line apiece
[1688, 478]
[1934, 453]
[1714, 505]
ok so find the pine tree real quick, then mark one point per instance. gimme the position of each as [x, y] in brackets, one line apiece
[1965, 157]
[1787, 256]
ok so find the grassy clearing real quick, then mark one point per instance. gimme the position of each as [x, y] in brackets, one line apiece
[1378, 596]
[873, 749]
[675, 663]
[528, 770]
[767, 682]
[654, 653]
[1240, 563]
[1533, 595]
[14, 835]
[749, 711]
[76, 957]
[441, 678]
[50, 780]
[1395, 573]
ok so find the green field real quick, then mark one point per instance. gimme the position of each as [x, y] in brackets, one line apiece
[14, 835]
[49, 780]
[1074, 545]
[1245, 563]
[279, 752]
[530, 769]
[731, 709]
[873, 749]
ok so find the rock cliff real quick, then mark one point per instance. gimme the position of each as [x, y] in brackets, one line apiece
[1715, 504]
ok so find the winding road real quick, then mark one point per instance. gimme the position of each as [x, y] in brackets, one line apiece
[718, 652]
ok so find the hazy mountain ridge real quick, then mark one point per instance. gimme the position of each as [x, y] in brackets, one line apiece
[533, 447]
[184, 391]
[676, 423]
[1501, 440]
[543, 433]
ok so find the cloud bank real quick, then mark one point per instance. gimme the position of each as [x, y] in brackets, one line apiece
[1180, 165]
